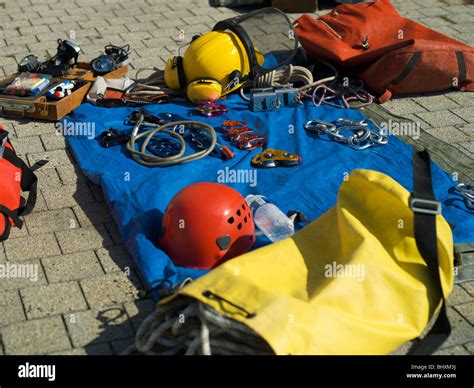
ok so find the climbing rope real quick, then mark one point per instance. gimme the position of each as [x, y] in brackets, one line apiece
[189, 327]
[353, 95]
[289, 74]
[151, 86]
[142, 156]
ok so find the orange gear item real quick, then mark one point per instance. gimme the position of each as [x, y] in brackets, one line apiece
[206, 224]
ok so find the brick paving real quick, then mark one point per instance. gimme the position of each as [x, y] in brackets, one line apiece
[86, 298]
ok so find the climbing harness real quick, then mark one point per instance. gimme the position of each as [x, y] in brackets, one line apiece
[177, 130]
[275, 158]
[467, 192]
[360, 135]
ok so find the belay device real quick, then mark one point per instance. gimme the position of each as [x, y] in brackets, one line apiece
[236, 50]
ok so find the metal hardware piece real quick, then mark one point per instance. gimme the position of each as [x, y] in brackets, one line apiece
[211, 109]
[425, 206]
[467, 192]
[275, 158]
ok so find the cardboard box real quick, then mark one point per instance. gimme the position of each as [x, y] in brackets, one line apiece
[38, 107]
[296, 6]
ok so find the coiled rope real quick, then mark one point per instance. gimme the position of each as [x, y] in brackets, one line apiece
[189, 327]
[151, 86]
[289, 74]
[145, 158]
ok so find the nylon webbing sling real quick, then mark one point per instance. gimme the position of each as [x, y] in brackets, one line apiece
[425, 208]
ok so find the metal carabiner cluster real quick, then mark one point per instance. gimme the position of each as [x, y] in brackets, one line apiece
[241, 135]
[360, 135]
[467, 192]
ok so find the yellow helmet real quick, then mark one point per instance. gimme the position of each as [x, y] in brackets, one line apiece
[219, 61]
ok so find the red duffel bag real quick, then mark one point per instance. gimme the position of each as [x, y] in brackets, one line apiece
[393, 55]
[15, 177]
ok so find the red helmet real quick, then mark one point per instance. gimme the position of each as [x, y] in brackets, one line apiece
[206, 224]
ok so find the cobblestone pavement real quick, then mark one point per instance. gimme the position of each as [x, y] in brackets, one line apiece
[86, 299]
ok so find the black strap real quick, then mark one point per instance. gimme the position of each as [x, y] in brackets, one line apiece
[461, 66]
[6, 231]
[11, 214]
[407, 69]
[425, 208]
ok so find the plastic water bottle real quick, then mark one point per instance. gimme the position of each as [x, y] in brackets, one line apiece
[269, 218]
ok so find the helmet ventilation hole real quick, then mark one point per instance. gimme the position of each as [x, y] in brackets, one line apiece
[245, 219]
[243, 206]
[239, 226]
[238, 212]
[230, 220]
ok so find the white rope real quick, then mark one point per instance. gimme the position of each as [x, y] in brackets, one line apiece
[186, 326]
[153, 85]
[289, 74]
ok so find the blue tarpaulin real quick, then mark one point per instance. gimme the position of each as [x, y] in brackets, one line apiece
[138, 195]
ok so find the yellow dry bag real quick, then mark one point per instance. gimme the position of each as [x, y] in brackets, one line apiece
[364, 278]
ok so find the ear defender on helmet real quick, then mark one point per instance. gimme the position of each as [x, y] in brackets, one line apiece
[174, 73]
[204, 89]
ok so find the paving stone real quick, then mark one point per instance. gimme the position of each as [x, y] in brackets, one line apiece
[138, 310]
[35, 277]
[71, 174]
[462, 98]
[93, 213]
[53, 299]
[11, 309]
[110, 289]
[467, 311]
[3, 258]
[53, 141]
[441, 118]
[452, 351]
[446, 134]
[458, 296]
[88, 350]
[17, 232]
[470, 347]
[468, 145]
[96, 326]
[403, 107]
[469, 287]
[73, 266]
[51, 221]
[115, 258]
[67, 195]
[47, 178]
[55, 158]
[462, 331]
[39, 336]
[31, 247]
[83, 239]
[435, 102]
[466, 113]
